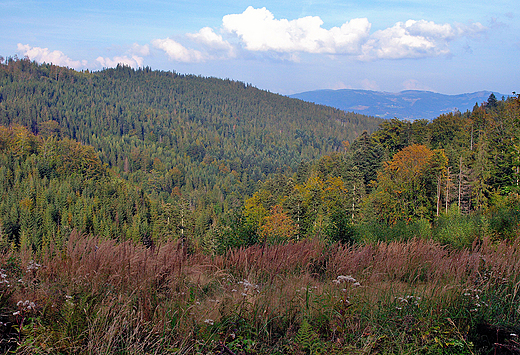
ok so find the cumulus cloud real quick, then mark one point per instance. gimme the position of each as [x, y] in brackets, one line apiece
[140, 50]
[260, 31]
[134, 61]
[470, 30]
[411, 39]
[43, 55]
[177, 51]
[415, 39]
[207, 37]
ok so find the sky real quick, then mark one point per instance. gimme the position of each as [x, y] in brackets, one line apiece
[286, 47]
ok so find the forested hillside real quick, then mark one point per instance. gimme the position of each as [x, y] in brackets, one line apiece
[195, 145]
[185, 129]
[455, 179]
[50, 187]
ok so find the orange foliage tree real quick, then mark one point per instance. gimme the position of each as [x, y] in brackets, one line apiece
[409, 185]
[277, 226]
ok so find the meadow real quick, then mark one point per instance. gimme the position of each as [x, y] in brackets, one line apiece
[101, 297]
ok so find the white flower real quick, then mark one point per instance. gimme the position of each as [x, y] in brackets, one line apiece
[209, 321]
[16, 313]
[348, 278]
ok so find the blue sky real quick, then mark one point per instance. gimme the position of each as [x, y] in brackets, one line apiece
[450, 47]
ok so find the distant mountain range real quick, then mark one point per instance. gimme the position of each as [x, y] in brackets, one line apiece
[408, 105]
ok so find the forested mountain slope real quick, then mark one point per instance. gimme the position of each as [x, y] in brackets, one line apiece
[168, 131]
[195, 146]
[50, 187]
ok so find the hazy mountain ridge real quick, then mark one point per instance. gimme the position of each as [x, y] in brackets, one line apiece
[409, 104]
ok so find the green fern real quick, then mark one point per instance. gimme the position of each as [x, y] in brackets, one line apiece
[308, 340]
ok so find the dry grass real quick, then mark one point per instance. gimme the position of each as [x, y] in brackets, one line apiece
[97, 296]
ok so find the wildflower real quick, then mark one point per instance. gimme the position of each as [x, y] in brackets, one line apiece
[68, 300]
[33, 266]
[3, 278]
[410, 299]
[16, 313]
[348, 278]
[209, 321]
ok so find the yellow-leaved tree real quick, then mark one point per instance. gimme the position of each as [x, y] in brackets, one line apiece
[409, 186]
[277, 227]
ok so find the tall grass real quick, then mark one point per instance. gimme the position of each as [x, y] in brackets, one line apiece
[416, 296]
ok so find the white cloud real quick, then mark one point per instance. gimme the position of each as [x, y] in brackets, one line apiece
[416, 39]
[411, 39]
[471, 30]
[140, 50]
[428, 29]
[211, 40]
[260, 31]
[177, 51]
[43, 55]
[133, 61]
